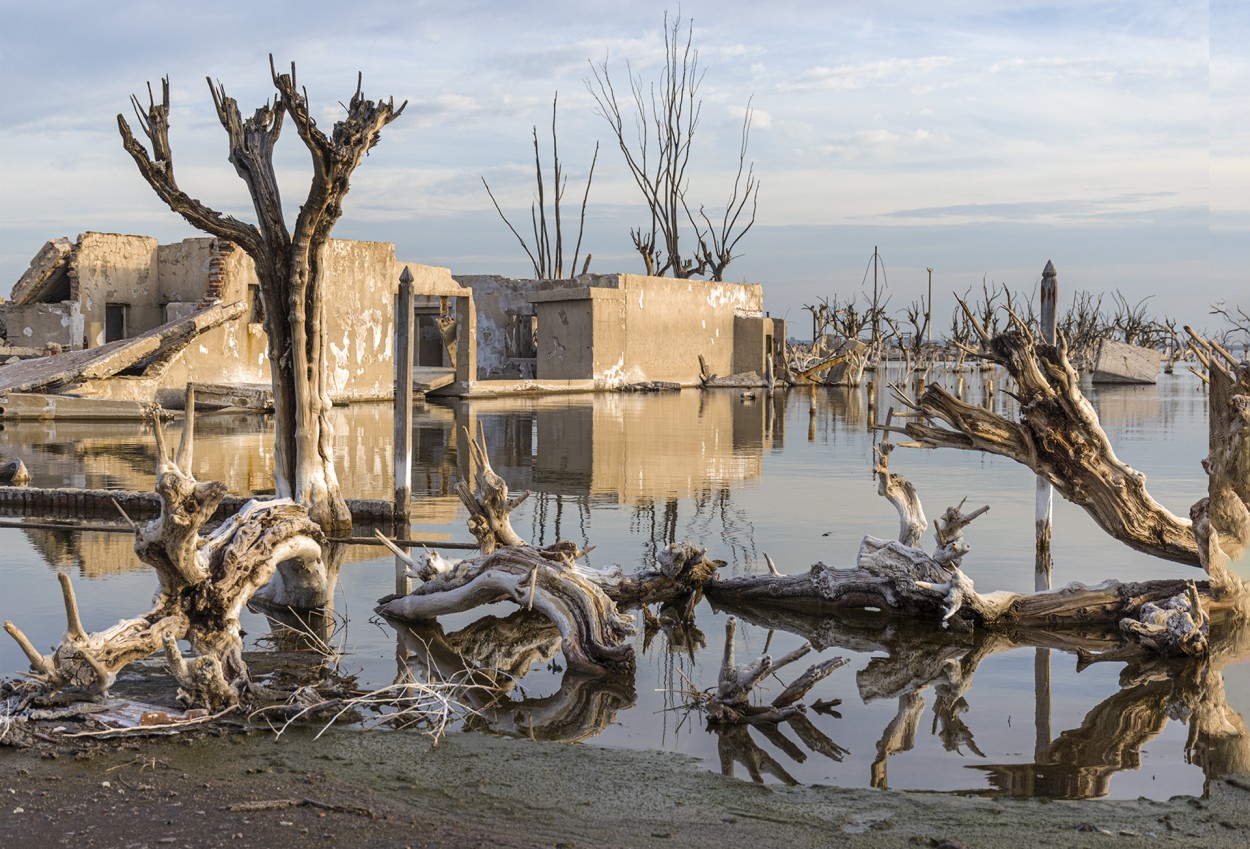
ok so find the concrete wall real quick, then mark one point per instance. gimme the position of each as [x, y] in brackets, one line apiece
[182, 270]
[628, 328]
[37, 325]
[110, 268]
[566, 334]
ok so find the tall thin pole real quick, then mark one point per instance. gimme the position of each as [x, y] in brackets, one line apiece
[1045, 492]
[404, 342]
[1042, 568]
[928, 310]
[875, 330]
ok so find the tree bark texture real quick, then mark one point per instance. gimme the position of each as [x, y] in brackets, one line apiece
[1059, 437]
[594, 635]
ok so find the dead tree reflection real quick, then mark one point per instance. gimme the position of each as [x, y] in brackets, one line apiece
[1080, 762]
[492, 656]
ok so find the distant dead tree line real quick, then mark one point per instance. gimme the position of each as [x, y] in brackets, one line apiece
[1087, 321]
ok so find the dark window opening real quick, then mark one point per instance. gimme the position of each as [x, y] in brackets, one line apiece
[522, 336]
[115, 321]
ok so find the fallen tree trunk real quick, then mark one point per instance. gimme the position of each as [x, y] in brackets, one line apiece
[593, 633]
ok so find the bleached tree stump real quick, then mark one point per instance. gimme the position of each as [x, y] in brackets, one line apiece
[489, 504]
[205, 582]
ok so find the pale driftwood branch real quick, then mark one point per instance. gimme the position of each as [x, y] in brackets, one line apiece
[1059, 437]
[594, 635]
[1177, 626]
[902, 494]
[489, 505]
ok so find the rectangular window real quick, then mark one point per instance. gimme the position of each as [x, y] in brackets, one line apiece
[116, 321]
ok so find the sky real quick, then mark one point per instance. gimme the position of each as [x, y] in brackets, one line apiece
[978, 138]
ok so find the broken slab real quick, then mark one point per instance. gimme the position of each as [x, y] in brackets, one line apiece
[1118, 362]
[156, 346]
[46, 272]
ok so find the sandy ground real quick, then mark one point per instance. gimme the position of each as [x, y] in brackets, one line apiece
[392, 790]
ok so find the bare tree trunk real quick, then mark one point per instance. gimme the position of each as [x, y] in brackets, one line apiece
[289, 264]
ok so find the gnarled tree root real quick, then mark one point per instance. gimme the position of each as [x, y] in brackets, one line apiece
[205, 582]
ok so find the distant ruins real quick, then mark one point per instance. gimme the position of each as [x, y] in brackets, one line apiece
[106, 324]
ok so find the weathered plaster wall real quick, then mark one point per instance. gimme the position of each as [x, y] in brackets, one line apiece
[113, 268]
[753, 334]
[628, 328]
[494, 298]
[182, 270]
[670, 322]
[565, 349]
[37, 325]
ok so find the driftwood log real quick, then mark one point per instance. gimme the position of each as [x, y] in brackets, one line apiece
[594, 635]
[489, 504]
[205, 581]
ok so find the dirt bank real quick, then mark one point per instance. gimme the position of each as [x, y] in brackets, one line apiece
[392, 790]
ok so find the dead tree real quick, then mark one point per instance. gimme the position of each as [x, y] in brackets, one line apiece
[546, 258]
[489, 504]
[665, 116]
[1058, 436]
[205, 582]
[289, 263]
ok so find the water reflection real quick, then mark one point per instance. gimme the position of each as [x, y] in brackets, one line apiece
[1080, 762]
[629, 474]
[494, 655]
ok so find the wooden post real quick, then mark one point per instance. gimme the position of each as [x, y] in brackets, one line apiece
[404, 344]
[872, 405]
[1042, 566]
[188, 425]
[1045, 492]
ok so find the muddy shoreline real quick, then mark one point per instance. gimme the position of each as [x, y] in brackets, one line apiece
[394, 790]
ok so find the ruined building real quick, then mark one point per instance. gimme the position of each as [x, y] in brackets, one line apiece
[105, 324]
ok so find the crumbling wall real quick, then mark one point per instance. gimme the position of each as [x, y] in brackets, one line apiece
[183, 270]
[566, 347]
[110, 268]
[497, 300]
[37, 326]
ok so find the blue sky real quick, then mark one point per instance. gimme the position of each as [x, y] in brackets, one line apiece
[979, 138]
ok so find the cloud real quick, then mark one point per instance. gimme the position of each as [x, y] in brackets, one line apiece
[847, 77]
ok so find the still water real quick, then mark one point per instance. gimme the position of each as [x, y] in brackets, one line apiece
[790, 476]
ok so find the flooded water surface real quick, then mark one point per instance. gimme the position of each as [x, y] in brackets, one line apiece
[788, 476]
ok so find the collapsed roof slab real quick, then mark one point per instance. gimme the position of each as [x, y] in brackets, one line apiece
[47, 270]
[52, 373]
